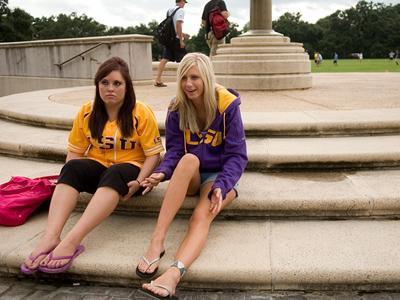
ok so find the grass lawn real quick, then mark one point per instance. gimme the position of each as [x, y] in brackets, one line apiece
[354, 65]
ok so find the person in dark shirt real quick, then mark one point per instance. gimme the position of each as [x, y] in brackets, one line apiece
[212, 42]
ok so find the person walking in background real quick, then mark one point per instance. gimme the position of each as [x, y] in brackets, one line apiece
[392, 55]
[176, 51]
[206, 155]
[211, 40]
[113, 145]
[397, 57]
[360, 57]
[316, 58]
[335, 58]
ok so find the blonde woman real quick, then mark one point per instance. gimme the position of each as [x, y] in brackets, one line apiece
[206, 154]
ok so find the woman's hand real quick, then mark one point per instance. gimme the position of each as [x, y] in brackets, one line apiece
[216, 201]
[133, 187]
[150, 182]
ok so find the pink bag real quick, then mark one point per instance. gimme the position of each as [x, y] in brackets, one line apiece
[21, 196]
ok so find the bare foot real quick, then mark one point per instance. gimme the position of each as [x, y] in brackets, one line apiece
[63, 249]
[45, 245]
[152, 253]
[169, 280]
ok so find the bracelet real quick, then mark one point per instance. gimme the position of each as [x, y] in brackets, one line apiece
[137, 181]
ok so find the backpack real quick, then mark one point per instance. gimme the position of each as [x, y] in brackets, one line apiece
[21, 196]
[219, 25]
[165, 31]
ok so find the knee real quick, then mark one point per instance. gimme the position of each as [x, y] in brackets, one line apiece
[202, 218]
[72, 166]
[188, 163]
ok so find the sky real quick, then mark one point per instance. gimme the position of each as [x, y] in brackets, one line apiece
[126, 13]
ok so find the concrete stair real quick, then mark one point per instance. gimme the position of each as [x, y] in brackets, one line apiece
[264, 153]
[322, 214]
[339, 195]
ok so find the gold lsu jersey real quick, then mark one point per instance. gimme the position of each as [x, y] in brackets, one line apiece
[112, 147]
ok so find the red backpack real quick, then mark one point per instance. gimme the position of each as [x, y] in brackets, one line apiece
[219, 25]
[21, 196]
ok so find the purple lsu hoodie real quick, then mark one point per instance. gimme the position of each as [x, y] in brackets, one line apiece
[221, 148]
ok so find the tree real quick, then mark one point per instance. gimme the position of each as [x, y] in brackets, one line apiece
[16, 25]
[292, 26]
[197, 43]
[67, 26]
[141, 29]
[3, 7]
[371, 28]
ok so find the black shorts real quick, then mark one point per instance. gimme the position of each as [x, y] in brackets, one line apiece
[174, 53]
[87, 175]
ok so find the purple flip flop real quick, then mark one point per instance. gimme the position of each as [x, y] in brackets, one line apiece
[65, 267]
[26, 270]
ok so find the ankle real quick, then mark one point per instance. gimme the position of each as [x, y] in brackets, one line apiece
[175, 274]
[51, 237]
[70, 243]
[157, 240]
[180, 267]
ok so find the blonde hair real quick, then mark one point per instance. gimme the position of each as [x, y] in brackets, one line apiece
[185, 107]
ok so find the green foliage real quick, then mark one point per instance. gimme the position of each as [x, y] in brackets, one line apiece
[197, 43]
[3, 7]
[66, 26]
[140, 29]
[368, 27]
[15, 26]
[233, 31]
[292, 26]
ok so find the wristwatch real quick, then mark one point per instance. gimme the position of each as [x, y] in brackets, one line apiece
[181, 267]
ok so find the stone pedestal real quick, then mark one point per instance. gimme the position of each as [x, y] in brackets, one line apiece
[262, 59]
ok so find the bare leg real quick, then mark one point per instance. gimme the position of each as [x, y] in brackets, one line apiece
[102, 204]
[161, 68]
[185, 181]
[62, 204]
[193, 241]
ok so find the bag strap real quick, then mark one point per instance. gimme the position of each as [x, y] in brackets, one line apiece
[173, 13]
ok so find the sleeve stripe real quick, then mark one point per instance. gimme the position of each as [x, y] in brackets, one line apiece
[76, 149]
[154, 150]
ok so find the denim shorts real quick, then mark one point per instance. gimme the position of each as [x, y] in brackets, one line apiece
[211, 176]
[207, 177]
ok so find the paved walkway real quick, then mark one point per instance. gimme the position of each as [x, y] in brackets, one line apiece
[330, 92]
[14, 289]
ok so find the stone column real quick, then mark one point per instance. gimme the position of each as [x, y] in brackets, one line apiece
[262, 59]
[261, 18]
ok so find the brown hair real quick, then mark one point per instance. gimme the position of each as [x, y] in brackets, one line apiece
[99, 116]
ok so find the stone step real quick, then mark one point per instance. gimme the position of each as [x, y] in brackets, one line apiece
[245, 43]
[255, 67]
[259, 39]
[42, 111]
[259, 49]
[264, 153]
[254, 254]
[295, 195]
[263, 56]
